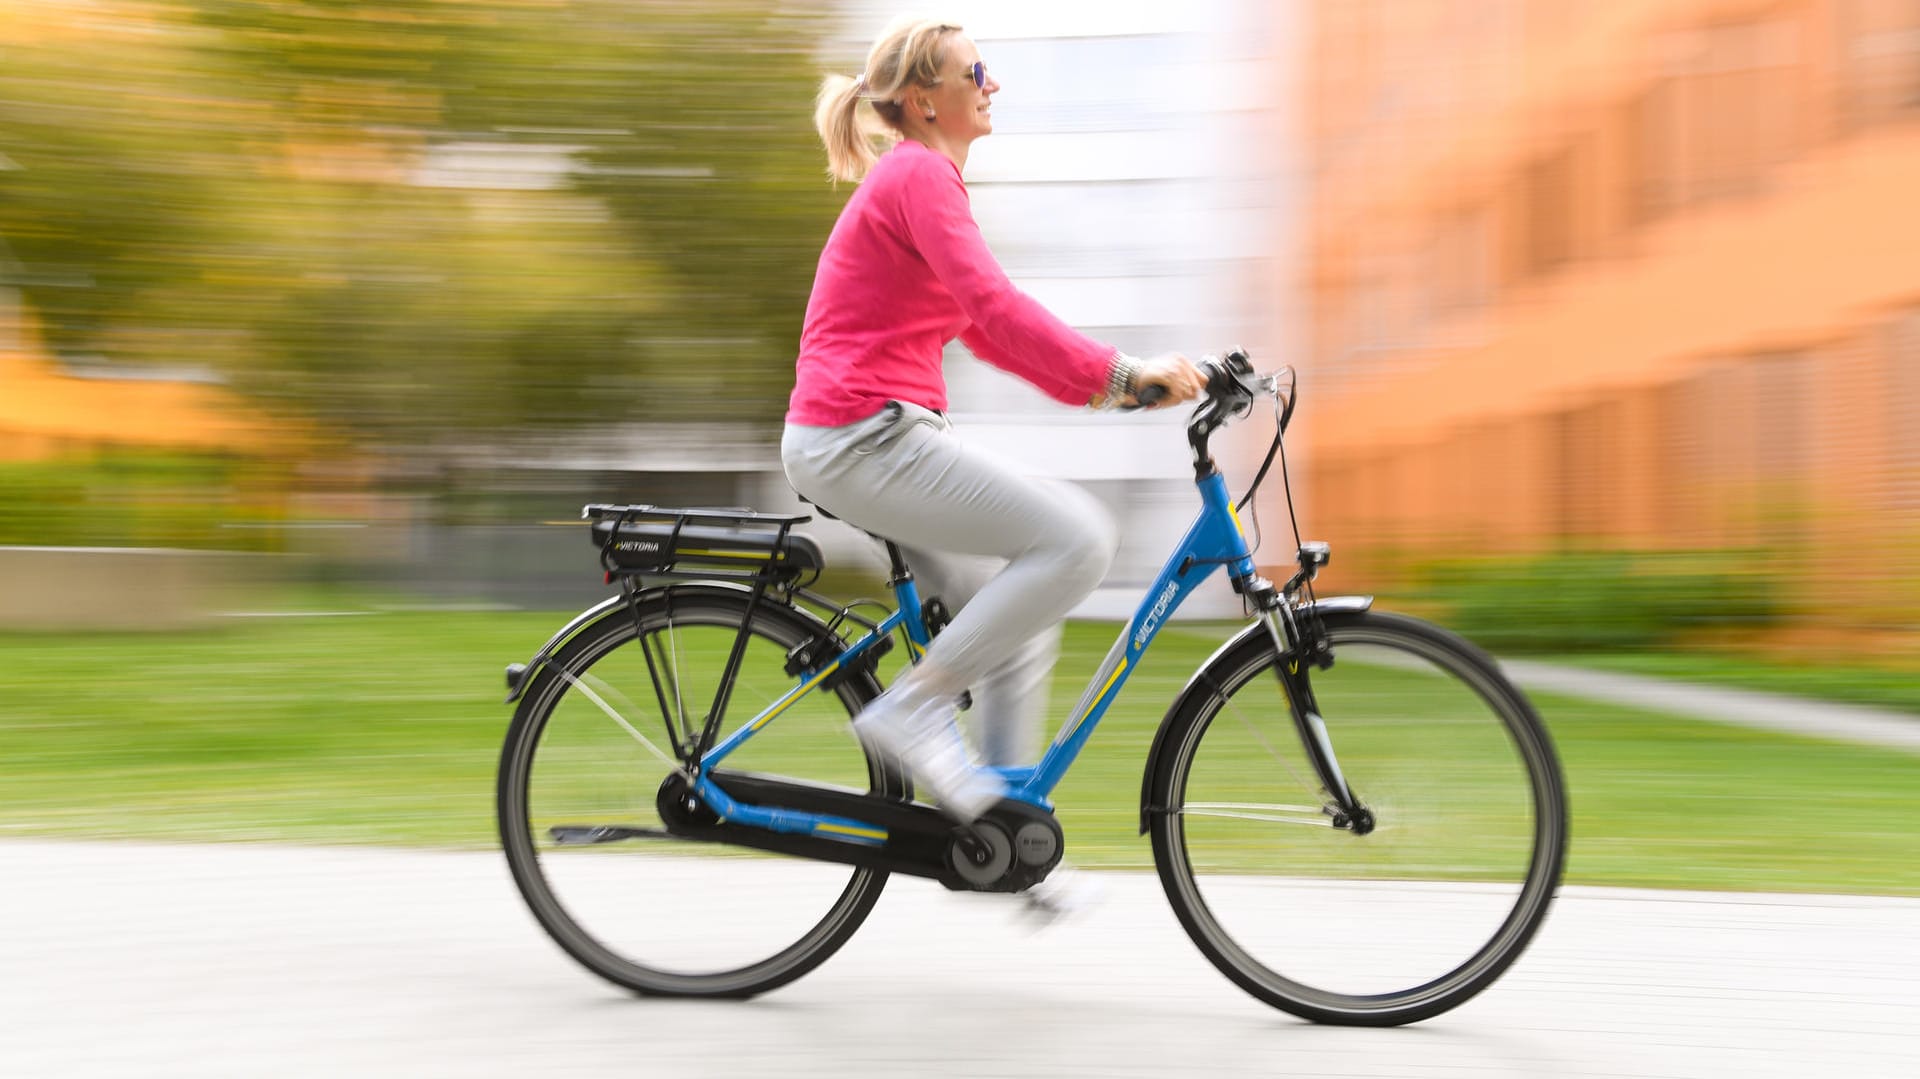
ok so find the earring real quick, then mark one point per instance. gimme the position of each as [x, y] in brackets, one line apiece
[929, 114]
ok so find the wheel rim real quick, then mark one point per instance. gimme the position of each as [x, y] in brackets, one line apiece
[1423, 910]
[665, 914]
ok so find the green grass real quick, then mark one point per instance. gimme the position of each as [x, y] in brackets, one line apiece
[385, 728]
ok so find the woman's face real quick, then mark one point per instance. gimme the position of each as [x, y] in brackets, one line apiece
[962, 108]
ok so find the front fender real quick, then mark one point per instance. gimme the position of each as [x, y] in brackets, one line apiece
[1204, 684]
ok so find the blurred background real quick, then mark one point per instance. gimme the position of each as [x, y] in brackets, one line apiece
[1625, 295]
[383, 288]
[1606, 317]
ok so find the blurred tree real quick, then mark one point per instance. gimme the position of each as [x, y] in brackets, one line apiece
[422, 220]
[695, 127]
[110, 173]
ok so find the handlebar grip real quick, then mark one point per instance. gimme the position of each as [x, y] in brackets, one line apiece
[1149, 395]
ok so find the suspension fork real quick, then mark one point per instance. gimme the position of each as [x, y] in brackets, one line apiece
[1301, 645]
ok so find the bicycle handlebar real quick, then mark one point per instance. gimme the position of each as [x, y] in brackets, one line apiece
[1232, 387]
[1231, 379]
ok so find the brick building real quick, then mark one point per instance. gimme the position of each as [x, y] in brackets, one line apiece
[1619, 274]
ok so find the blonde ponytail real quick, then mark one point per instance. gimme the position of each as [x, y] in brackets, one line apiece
[907, 53]
[836, 115]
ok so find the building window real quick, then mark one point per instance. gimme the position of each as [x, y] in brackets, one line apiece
[1463, 252]
[1903, 420]
[1879, 61]
[1654, 168]
[1718, 117]
[1549, 201]
[1781, 448]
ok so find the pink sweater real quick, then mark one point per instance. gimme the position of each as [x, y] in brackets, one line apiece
[904, 272]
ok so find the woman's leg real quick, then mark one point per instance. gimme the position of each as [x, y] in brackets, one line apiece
[1009, 705]
[903, 475]
[911, 480]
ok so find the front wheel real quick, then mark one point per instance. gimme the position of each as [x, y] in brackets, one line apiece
[1354, 925]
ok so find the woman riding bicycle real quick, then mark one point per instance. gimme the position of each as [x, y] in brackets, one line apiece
[867, 439]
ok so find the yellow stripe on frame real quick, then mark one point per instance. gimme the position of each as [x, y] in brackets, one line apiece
[864, 833]
[799, 693]
[1095, 703]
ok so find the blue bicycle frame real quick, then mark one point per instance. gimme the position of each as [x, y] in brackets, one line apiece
[1215, 539]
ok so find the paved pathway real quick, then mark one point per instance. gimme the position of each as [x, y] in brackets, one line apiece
[125, 959]
[240, 960]
[1739, 707]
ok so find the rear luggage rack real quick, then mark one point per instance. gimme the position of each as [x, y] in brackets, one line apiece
[736, 544]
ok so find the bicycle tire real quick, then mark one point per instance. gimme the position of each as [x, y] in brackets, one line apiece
[690, 627]
[1461, 867]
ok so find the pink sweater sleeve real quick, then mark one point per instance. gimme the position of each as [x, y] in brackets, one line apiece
[1010, 329]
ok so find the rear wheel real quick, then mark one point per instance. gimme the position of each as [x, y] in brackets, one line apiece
[1356, 925]
[597, 735]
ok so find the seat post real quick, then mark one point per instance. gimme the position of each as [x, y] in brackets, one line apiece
[901, 574]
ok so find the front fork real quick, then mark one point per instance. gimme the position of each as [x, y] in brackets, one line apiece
[1301, 645]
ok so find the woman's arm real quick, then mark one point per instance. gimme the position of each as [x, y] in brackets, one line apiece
[986, 348]
[1010, 329]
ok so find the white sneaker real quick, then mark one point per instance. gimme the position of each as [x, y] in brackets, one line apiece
[922, 735]
[1065, 893]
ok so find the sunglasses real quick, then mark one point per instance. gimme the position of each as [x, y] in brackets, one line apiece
[978, 73]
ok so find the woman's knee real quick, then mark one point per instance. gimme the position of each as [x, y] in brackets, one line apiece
[1089, 539]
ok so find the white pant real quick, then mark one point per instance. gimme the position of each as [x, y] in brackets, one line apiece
[902, 474]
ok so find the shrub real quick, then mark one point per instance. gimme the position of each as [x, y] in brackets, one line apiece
[127, 499]
[1600, 600]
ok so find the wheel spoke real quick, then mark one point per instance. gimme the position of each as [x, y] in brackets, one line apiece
[1272, 752]
[1276, 814]
[601, 703]
[665, 679]
[679, 701]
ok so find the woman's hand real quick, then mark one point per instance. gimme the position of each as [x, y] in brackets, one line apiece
[1173, 373]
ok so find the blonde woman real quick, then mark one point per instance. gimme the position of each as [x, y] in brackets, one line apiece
[867, 438]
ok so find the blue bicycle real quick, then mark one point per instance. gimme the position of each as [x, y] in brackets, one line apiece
[1369, 841]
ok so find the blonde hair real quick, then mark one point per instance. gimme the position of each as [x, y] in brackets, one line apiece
[907, 53]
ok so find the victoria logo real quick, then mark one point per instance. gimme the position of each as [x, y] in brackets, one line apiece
[1154, 615]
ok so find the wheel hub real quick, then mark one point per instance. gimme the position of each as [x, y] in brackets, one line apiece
[680, 808]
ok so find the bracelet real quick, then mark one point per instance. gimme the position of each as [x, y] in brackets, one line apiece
[1123, 377]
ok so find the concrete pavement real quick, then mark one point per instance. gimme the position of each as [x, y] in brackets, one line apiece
[134, 959]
